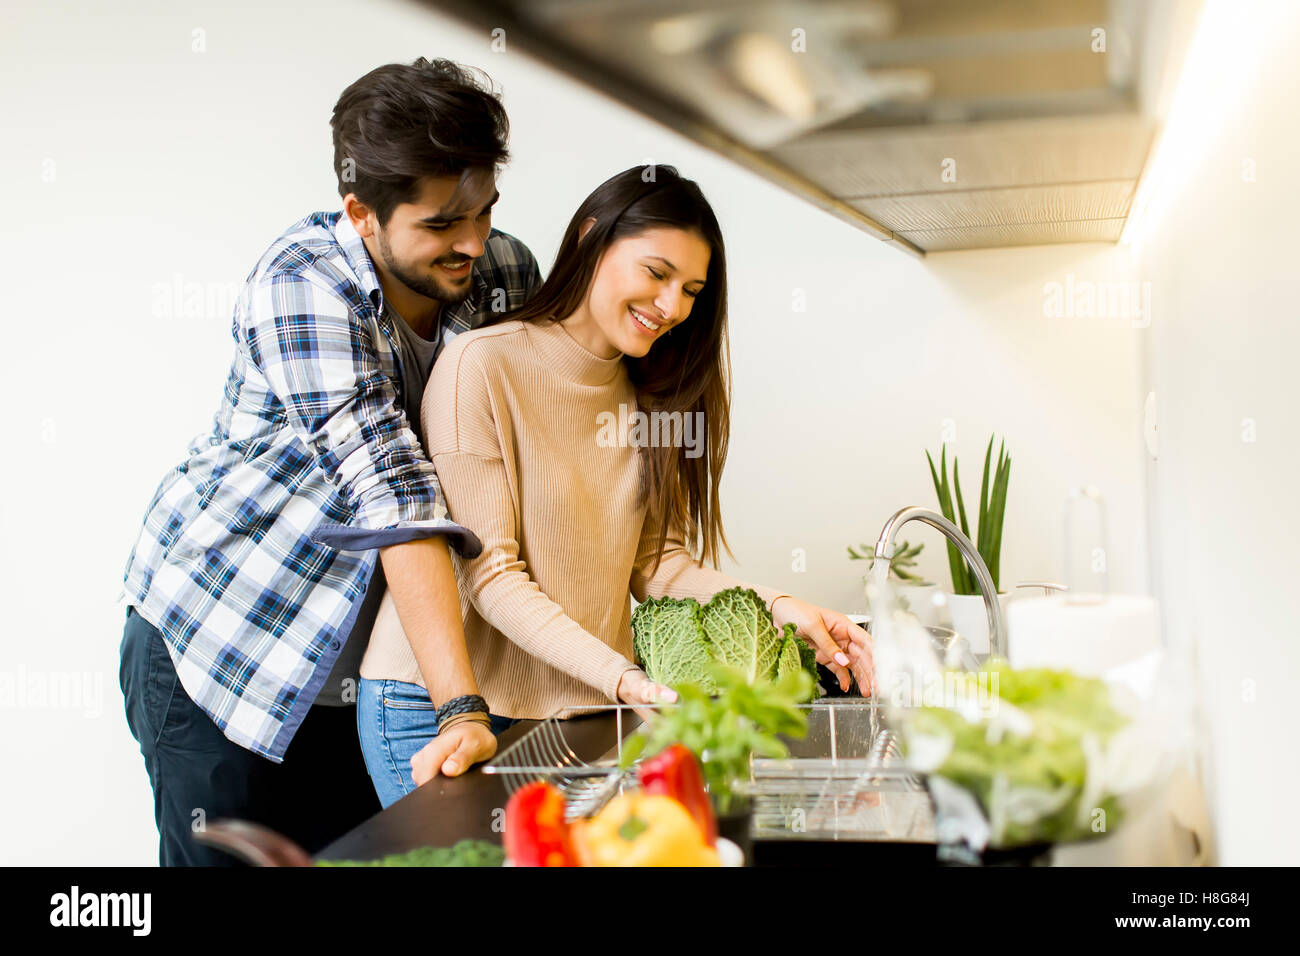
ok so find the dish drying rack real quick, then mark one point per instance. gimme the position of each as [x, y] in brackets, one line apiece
[845, 780]
[545, 754]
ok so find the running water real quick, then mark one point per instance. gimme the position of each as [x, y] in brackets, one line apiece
[903, 650]
[881, 600]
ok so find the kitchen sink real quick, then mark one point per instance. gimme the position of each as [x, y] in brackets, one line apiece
[845, 780]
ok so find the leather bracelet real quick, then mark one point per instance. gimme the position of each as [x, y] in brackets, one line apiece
[476, 717]
[465, 704]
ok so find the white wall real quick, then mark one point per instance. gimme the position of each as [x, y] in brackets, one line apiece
[176, 166]
[892, 351]
[1219, 253]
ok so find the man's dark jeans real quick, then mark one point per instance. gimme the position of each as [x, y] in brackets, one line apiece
[317, 794]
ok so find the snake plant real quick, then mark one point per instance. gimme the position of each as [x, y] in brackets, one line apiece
[993, 506]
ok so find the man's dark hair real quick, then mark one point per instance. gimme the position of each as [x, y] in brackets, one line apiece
[399, 124]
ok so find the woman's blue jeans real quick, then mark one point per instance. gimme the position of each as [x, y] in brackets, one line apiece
[395, 720]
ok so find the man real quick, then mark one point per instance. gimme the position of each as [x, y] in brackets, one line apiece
[256, 576]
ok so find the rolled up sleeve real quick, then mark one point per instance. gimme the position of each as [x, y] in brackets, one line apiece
[317, 352]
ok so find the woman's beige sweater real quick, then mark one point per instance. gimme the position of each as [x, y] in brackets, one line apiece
[513, 422]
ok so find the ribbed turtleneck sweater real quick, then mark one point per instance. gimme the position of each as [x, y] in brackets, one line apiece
[512, 420]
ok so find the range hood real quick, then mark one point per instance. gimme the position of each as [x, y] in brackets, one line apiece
[932, 124]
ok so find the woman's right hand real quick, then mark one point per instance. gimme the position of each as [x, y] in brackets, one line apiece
[635, 688]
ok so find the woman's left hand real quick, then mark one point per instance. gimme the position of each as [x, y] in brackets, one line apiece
[840, 644]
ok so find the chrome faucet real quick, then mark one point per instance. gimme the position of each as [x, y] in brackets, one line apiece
[885, 551]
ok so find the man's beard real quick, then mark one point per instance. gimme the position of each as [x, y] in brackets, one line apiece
[425, 285]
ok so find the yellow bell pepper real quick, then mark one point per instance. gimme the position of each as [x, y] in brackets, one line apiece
[635, 829]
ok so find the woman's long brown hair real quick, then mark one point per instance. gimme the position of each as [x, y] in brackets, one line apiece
[686, 371]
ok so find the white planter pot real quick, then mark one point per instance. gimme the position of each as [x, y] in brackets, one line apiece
[923, 600]
[970, 619]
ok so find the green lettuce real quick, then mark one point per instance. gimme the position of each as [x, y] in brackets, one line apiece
[741, 633]
[678, 641]
[464, 853]
[669, 642]
[789, 660]
[1048, 765]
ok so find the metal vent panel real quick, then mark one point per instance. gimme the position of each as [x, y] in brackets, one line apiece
[1019, 205]
[863, 164]
[1028, 234]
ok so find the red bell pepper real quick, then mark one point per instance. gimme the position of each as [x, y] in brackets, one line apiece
[675, 773]
[536, 831]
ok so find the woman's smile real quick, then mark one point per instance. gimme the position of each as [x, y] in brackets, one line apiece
[644, 322]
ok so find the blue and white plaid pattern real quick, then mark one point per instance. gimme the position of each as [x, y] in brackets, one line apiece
[257, 549]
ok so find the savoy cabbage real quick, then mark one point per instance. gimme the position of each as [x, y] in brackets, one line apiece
[676, 640]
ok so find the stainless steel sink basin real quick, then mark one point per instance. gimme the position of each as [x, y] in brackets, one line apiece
[847, 778]
[844, 781]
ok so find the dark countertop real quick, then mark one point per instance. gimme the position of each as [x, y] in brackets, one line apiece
[471, 806]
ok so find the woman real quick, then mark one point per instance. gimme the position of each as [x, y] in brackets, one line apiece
[516, 419]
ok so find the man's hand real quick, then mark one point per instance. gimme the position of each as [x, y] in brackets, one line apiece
[840, 644]
[454, 752]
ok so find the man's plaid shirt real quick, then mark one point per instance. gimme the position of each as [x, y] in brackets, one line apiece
[256, 550]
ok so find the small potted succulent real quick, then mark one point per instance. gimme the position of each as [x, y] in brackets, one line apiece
[965, 603]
